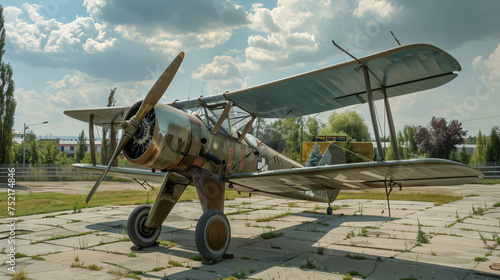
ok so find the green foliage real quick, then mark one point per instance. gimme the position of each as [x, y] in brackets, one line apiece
[80, 147]
[421, 237]
[453, 155]
[106, 152]
[479, 156]
[7, 101]
[33, 153]
[464, 156]
[314, 157]
[351, 123]
[313, 126]
[351, 152]
[493, 146]
[48, 152]
[439, 138]
[347, 277]
[88, 158]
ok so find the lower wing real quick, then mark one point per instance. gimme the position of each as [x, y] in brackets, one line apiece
[405, 173]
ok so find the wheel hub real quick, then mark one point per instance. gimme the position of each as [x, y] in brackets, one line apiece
[143, 229]
[216, 235]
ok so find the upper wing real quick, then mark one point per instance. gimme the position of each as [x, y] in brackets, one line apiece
[402, 70]
[102, 116]
[408, 173]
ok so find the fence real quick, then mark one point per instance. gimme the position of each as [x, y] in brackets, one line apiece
[48, 173]
[490, 172]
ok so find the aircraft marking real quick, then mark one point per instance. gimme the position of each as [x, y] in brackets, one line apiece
[262, 165]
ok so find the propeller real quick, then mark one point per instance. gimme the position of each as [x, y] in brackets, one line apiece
[131, 126]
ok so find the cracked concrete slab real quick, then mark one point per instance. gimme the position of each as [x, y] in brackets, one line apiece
[312, 244]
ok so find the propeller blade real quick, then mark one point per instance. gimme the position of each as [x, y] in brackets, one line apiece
[161, 85]
[153, 96]
[123, 142]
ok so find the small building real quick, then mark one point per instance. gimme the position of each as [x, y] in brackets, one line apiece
[69, 146]
[470, 148]
[18, 136]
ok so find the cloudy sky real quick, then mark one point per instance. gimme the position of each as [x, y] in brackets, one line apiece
[70, 54]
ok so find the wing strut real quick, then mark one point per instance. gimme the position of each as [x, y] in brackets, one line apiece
[390, 121]
[388, 192]
[371, 104]
[373, 115]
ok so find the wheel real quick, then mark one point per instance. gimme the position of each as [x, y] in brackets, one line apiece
[138, 233]
[212, 235]
[329, 210]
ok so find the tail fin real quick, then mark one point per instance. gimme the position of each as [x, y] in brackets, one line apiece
[334, 155]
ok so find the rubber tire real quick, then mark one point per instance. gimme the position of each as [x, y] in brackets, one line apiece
[329, 210]
[202, 245]
[137, 232]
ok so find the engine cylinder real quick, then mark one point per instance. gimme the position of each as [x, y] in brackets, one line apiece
[164, 140]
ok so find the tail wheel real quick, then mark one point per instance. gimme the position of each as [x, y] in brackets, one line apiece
[212, 235]
[138, 233]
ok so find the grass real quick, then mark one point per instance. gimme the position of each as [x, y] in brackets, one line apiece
[268, 219]
[121, 273]
[197, 258]
[271, 234]
[40, 203]
[355, 257]
[436, 198]
[167, 243]
[20, 275]
[488, 182]
[238, 274]
[480, 259]
[55, 237]
[174, 264]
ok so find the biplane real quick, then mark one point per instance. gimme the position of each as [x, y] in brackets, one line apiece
[205, 141]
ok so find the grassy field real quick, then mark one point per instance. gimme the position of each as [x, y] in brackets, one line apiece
[436, 198]
[40, 203]
[488, 182]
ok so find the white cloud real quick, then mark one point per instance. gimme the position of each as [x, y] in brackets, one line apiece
[378, 8]
[221, 75]
[47, 36]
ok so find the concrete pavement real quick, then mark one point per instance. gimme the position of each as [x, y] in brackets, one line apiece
[358, 237]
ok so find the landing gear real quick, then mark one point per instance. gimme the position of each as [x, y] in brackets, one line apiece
[329, 210]
[212, 235]
[138, 233]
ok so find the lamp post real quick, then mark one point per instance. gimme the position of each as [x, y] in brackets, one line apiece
[24, 139]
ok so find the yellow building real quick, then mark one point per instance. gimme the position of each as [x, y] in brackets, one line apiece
[365, 149]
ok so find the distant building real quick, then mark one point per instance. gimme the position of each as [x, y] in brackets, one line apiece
[18, 136]
[69, 146]
[471, 148]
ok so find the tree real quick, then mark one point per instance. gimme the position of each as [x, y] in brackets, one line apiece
[313, 126]
[351, 152]
[350, 123]
[479, 156]
[464, 156]
[48, 152]
[453, 155]
[438, 139]
[80, 147]
[106, 152]
[493, 146]
[7, 101]
[33, 153]
[314, 157]
[258, 128]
